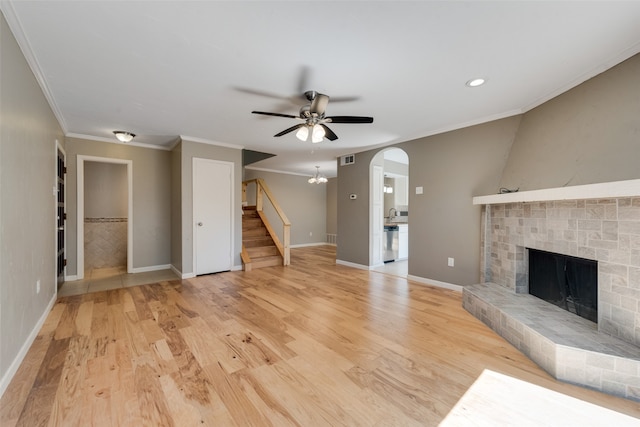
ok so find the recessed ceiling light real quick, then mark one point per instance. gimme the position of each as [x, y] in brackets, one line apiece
[475, 82]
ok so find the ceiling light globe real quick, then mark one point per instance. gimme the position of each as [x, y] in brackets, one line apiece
[124, 136]
[303, 133]
[318, 134]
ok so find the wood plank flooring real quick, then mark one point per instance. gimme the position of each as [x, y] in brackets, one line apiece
[311, 344]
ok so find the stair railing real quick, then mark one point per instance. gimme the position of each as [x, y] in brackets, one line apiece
[263, 190]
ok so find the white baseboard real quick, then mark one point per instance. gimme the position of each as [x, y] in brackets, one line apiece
[150, 268]
[180, 274]
[236, 268]
[13, 368]
[304, 245]
[353, 265]
[70, 278]
[436, 283]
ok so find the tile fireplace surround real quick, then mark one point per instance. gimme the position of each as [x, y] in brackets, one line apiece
[599, 222]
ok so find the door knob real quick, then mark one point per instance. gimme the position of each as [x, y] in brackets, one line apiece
[200, 224]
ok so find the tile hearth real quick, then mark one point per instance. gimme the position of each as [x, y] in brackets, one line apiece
[567, 346]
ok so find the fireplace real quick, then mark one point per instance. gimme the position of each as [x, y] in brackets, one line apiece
[602, 353]
[568, 282]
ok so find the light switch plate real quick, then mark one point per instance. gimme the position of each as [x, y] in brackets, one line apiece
[419, 190]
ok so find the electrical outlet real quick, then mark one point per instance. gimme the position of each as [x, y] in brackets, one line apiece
[450, 262]
[38, 286]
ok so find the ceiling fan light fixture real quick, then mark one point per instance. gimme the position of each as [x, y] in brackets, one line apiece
[124, 136]
[318, 134]
[303, 133]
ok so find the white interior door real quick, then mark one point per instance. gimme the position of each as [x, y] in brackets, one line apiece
[377, 216]
[213, 226]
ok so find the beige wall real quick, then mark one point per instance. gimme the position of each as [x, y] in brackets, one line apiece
[587, 135]
[332, 206]
[176, 207]
[304, 204]
[105, 190]
[451, 167]
[28, 134]
[151, 199]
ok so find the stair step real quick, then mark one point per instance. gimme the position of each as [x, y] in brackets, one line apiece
[262, 251]
[254, 232]
[251, 223]
[256, 241]
[267, 261]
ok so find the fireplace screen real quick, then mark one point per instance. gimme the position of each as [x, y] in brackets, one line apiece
[568, 282]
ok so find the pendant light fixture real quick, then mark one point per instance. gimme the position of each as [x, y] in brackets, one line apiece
[317, 178]
[124, 136]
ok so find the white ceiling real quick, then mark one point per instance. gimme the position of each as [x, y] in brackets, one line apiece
[197, 69]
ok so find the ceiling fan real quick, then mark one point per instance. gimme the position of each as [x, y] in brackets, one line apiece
[313, 119]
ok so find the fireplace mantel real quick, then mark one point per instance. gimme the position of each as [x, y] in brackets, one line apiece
[603, 190]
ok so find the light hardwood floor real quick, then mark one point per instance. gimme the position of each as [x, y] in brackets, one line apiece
[311, 344]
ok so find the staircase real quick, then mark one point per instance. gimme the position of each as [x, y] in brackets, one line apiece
[257, 245]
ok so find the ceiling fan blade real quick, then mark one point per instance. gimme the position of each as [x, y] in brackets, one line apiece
[344, 98]
[349, 119]
[291, 129]
[275, 114]
[319, 104]
[328, 133]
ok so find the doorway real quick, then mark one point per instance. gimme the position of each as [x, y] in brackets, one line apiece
[389, 212]
[104, 212]
[61, 216]
[213, 216]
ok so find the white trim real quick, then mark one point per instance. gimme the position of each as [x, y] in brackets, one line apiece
[210, 142]
[435, 283]
[232, 180]
[277, 171]
[305, 245]
[17, 361]
[150, 268]
[25, 47]
[603, 190]
[70, 278]
[80, 209]
[115, 141]
[353, 265]
[236, 268]
[182, 275]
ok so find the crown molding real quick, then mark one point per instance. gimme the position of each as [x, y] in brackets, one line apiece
[23, 42]
[115, 141]
[210, 142]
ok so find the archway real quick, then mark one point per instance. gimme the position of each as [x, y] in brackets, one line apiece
[389, 210]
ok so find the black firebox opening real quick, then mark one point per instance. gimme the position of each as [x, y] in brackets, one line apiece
[570, 283]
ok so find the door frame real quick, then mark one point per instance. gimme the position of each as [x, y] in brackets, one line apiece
[373, 226]
[376, 215]
[194, 226]
[80, 209]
